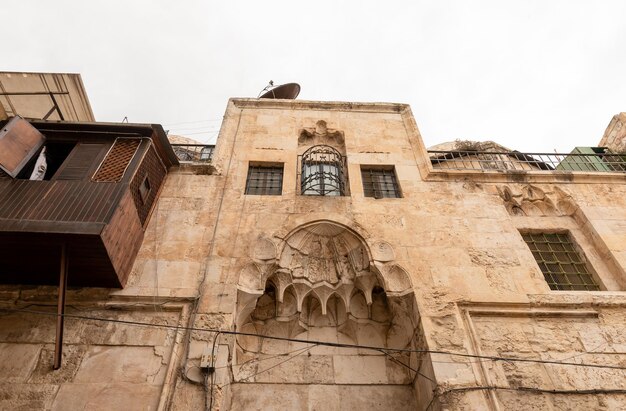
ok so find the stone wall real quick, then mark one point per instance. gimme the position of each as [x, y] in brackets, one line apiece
[444, 268]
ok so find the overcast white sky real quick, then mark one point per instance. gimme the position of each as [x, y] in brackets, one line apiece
[531, 75]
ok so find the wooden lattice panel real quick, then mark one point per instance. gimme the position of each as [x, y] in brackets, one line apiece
[115, 163]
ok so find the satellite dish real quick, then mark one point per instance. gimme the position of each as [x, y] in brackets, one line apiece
[287, 91]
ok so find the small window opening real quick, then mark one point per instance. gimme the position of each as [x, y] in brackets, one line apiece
[264, 179]
[144, 190]
[380, 182]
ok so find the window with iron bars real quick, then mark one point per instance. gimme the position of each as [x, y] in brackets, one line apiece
[562, 265]
[380, 182]
[322, 172]
[264, 180]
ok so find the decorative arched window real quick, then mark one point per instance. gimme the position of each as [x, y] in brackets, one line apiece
[322, 172]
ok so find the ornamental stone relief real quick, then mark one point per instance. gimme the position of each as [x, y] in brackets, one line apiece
[534, 201]
[324, 285]
[321, 134]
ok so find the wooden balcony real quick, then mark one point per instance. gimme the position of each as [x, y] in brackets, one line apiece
[95, 201]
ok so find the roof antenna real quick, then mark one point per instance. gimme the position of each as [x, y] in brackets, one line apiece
[287, 91]
[125, 120]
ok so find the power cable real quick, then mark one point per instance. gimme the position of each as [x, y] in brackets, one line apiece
[212, 370]
[302, 351]
[417, 372]
[322, 343]
[193, 122]
[201, 132]
[194, 128]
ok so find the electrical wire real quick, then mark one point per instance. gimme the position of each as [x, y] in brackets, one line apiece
[201, 132]
[193, 122]
[302, 351]
[322, 343]
[194, 128]
[212, 370]
[417, 372]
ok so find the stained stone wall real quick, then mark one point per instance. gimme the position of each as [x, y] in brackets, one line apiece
[443, 269]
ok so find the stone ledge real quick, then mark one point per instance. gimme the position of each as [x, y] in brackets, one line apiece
[563, 177]
[319, 105]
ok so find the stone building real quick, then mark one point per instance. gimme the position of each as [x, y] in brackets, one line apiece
[321, 258]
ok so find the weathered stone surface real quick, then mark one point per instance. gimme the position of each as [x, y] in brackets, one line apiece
[442, 268]
[360, 370]
[121, 364]
[17, 361]
[44, 372]
[321, 397]
[26, 397]
[107, 396]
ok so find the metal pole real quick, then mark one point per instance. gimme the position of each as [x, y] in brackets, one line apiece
[58, 347]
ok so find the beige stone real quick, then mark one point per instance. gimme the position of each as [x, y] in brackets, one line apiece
[17, 361]
[443, 268]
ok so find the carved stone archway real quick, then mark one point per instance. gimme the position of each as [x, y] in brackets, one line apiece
[324, 282]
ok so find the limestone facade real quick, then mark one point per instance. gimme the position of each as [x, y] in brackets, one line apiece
[420, 296]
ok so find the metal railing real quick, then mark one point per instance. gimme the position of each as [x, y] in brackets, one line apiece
[516, 161]
[194, 153]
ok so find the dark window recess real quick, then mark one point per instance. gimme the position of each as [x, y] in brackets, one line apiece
[264, 180]
[144, 190]
[380, 182]
[562, 266]
[54, 155]
[115, 163]
[322, 172]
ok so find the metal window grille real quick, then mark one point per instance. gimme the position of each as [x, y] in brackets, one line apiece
[380, 183]
[264, 180]
[322, 172]
[562, 266]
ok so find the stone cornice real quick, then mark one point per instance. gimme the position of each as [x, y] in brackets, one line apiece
[319, 105]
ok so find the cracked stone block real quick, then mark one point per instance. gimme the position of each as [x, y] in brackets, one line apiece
[103, 364]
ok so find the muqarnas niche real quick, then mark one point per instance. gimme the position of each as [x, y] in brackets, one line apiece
[325, 286]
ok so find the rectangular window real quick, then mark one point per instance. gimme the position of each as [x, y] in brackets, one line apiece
[264, 180]
[380, 182]
[562, 265]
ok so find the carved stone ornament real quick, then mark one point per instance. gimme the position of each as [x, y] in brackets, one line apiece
[534, 201]
[323, 286]
[264, 250]
[383, 252]
[320, 134]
